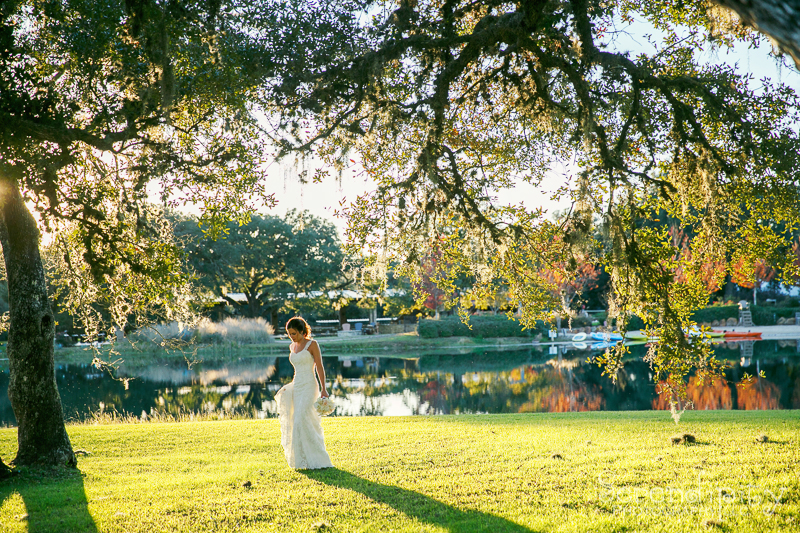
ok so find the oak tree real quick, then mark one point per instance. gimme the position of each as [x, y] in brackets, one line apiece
[447, 102]
[100, 100]
[268, 259]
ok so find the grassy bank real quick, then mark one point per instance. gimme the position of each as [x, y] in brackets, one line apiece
[493, 473]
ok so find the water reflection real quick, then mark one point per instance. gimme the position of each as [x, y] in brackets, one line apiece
[510, 381]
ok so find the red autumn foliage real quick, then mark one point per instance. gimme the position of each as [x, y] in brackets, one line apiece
[742, 273]
[570, 284]
[430, 265]
[703, 397]
[759, 395]
[711, 272]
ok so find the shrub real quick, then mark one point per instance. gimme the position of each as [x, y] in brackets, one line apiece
[634, 323]
[64, 340]
[717, 312]
[762, 316]
[768, 316]
[239, 330]
[577, 322]
[235, 330]
[483, 326]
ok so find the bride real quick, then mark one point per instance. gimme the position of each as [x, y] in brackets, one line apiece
[301, 432]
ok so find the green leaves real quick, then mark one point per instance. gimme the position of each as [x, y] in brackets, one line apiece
[266, 258]
[106, 106]
[453, 102]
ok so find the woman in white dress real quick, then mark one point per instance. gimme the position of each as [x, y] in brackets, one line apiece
[301, 431]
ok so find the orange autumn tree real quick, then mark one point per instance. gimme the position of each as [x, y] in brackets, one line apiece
[709, 271]
[434, 297]
[435, 277]
[571, 280]
[751, 273]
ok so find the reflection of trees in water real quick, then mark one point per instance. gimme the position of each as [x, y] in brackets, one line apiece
[482, 361]
[432, 392]
[481, 382]
[521, 389]
[780, 389]
[560, 392]
[227, 372]
[571, 385]
[716, 395]
[372, 406]
[760, 394]
[532, 389]
[439, 392]
[202, 399]
[796, 395]
[85, 391]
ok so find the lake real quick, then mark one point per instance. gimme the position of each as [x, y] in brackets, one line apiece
[513, 380]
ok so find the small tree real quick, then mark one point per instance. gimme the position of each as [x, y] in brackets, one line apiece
[571, 281]
[751, 275]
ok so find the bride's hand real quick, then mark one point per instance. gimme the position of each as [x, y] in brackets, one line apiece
[324, 394]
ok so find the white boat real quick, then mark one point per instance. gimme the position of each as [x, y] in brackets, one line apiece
[606, 337]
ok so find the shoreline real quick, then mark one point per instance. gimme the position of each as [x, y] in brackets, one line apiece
[396, 345]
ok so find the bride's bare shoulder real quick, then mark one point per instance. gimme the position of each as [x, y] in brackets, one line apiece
[313, 347]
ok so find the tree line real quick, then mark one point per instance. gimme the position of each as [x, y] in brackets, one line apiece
[271, 260]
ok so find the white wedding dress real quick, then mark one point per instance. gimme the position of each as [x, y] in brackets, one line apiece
[301, 430]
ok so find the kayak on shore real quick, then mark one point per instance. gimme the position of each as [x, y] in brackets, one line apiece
[606, 337]
[638, 336]
[740, 334]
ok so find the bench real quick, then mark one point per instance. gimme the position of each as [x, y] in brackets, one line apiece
[324, 331]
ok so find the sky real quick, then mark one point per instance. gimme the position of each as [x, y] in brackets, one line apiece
[323, 199]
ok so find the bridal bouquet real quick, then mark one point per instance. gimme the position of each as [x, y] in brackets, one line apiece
[324, 406]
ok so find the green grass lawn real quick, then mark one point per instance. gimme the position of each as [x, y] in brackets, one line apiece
[540, 472]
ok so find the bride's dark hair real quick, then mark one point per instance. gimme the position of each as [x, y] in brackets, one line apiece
[298, 323]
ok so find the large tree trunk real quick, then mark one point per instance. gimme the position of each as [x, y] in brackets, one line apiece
[253, 305]
[730, 289]
[41, 435]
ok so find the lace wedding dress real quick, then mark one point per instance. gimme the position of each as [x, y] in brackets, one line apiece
[301, 431]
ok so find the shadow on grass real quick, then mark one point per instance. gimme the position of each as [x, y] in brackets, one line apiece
[55, 500]
[416, 505]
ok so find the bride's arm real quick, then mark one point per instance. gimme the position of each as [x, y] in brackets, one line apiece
[314, 349]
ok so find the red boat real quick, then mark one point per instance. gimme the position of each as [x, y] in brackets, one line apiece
[741, 334]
